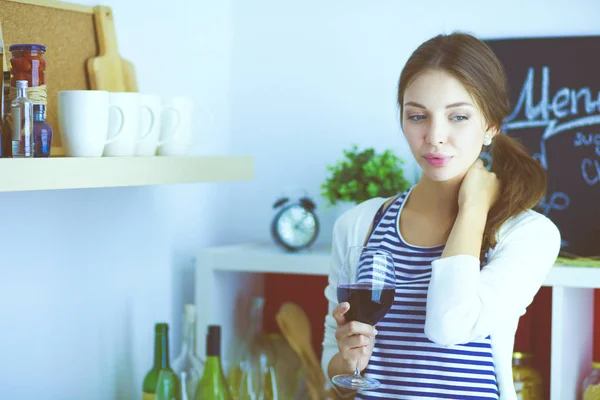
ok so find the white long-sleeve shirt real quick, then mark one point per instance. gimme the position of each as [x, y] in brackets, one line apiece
[465, 303]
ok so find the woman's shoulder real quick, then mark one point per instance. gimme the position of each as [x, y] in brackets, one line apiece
[357, 215]
[529, 226]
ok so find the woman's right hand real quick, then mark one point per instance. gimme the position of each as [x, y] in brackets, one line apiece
[355, 339]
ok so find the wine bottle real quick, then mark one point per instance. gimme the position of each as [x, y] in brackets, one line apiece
[213, 385]
[161, 368]
[187, 364]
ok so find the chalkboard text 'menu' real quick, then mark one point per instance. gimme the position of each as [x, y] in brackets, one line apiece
[565, 102]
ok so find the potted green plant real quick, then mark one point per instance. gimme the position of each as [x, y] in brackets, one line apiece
[362, 175]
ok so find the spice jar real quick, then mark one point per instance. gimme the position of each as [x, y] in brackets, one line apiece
[528, 381]
[28, 63]
[591, 384]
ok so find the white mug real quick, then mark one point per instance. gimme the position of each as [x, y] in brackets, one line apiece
[125, 144]
[176, 125]
[147, 141]
[83, 121]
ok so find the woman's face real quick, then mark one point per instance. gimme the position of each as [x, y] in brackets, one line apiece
[443, 126]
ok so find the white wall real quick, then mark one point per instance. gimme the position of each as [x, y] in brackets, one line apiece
[85, 274]
[311, 78]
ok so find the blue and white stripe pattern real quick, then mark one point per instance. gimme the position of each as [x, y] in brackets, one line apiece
[373, 268]
[405, 361]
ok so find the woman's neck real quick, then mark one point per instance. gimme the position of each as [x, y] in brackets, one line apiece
[435, 199]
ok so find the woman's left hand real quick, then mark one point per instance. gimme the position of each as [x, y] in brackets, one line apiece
[479, 189]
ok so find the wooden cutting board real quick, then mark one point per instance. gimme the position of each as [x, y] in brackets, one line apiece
[109, 71]
[129, 76]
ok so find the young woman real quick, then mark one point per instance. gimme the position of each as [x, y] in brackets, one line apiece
[469, 252]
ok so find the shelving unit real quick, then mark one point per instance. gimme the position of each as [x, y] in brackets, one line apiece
[572, 300]
[96, 172]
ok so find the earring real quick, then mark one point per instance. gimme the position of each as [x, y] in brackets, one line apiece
[487, 140]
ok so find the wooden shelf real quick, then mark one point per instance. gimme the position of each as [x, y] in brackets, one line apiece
[96, 172]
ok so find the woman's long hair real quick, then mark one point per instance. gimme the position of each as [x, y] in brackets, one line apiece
[475, 65]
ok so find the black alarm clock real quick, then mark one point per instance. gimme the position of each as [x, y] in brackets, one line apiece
[295, 226]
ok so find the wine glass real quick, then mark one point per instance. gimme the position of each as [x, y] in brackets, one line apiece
[367, 281]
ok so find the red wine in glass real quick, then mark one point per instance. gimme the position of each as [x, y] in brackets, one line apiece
[367, 281]
[368, 304]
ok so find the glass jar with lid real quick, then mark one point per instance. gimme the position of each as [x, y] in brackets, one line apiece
[27, 63]
[527, 380]
[591, 384]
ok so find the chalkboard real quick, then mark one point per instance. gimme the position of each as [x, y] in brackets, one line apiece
[554, 87]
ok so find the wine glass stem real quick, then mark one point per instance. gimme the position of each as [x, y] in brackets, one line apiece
[357, 370]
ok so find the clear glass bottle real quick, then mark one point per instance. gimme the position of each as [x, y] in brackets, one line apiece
[527, 380]
[591, 384]
[21, 110]
[187, 364]
[253, 375]
[42, 132]
[289, 370]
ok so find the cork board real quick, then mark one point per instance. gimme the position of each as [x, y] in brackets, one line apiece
[68, 32]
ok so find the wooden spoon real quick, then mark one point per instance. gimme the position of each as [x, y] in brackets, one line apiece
[295, 326]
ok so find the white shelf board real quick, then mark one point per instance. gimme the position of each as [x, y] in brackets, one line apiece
[268, 258]
[95, 172]
[572, 290]
[265, 258]
[574, 277]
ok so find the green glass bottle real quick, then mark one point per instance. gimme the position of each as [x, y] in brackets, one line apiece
[213, 385]
[161, 368]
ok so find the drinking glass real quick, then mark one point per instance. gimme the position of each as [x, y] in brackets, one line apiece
[367, 281]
